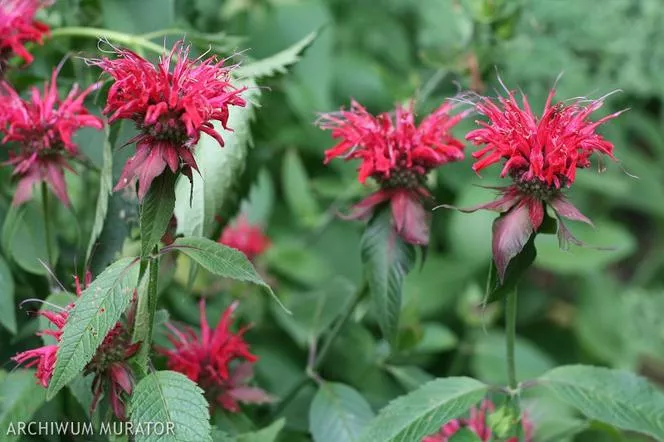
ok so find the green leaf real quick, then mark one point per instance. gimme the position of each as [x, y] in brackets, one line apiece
[156, 211]
[277, 63]
[338, 413]
[95, 312]
[20, 397]
[410, 377]
[138, 17]
[170, 397]
[220, 260]
[267, 434]
[423, 411]
[465, 435]
[220, 170]
[105, 190]
[297, 190]
[24, 237]
[7, 307]
[614, 397]
[259, 204]
[387, 260]
[516, 268]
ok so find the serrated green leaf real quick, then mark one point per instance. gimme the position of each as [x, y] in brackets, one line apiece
[423, 411]
[105, 190]
[267, 434]
[95, 312]
[220, 260]
[338, 413]
[277, 63]
[170, 398]
[220, 169]
[20, 397]
[297, 190]
[614, 397]
[7, 307]
[156, 211]
[387, 260]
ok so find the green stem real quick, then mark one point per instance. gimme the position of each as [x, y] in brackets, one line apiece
[320, 357]
[47, 227]
[96, 33]
[153, 280]
[510, 329]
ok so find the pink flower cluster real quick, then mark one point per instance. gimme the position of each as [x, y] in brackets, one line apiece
[19, 27]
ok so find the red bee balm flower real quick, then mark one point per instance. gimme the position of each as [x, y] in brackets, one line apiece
[541, 156]
[109, 364]
[398, 154]
[18, 26]
[42, 130]
[218, 360]
[246, 238]
[477, 423]
[171, 106]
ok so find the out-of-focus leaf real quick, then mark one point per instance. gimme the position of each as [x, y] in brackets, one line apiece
[267, 434]
[138, 17]
[465, 435]
[297, 190]
[614, 397]
[105, 190]
[220, 169]
[581, 260]
[277, 63]
[387, 260]
[21, 397]
[170, 397]
[423, 411]
[258, 206]
[7, 307]
[489, 360]
[410, 377]
[338, 413]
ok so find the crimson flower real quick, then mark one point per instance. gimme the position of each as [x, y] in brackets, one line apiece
[398, 154]
[541, 155]
[109, 364]
[18, 27]
[42, 129]
[171, 103]
[218, 360]
[478, 424]
[245, 237]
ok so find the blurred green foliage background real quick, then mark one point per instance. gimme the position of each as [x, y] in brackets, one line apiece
[585, 305]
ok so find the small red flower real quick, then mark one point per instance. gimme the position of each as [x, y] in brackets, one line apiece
[478, 424]
[171, 104]
[42, 129]
[247, 238]
[218, 360]
[398, 154]
[18, 27]
[541, 155]
[109, 364]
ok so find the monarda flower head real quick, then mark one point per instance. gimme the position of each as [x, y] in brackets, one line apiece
[478, 423]
[41, 129]
[18, 27]
[218, 360]
[172, 103]
[109, 365]
[245, 237]
[541, 156]
[398, 154]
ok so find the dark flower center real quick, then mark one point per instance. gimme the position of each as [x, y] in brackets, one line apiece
[535, 187]
[169, 127]
[112, 350]
[402, 179]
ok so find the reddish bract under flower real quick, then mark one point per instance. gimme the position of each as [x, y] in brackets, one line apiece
[548, 149]
[247, 238]
[109, 364]
[477, 423]
[171, 106]
[218, 360]
[542, 155]
[398, 154]
[42, 129]
[18, 27]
